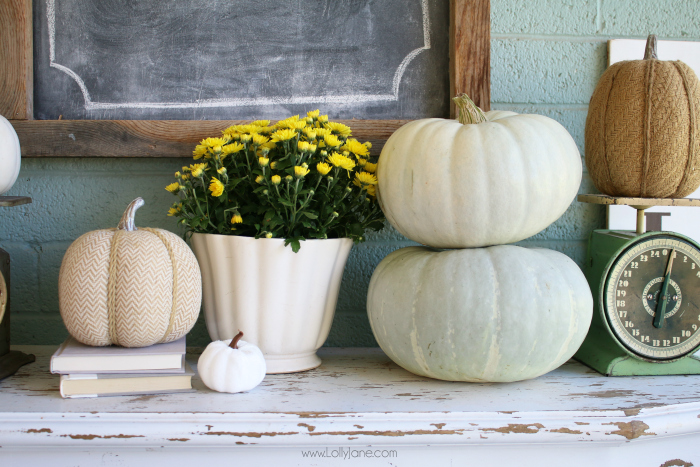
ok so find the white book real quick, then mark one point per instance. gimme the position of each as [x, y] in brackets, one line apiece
[73, 357]
[111, 384]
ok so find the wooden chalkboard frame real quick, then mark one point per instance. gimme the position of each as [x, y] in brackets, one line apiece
[470, 47]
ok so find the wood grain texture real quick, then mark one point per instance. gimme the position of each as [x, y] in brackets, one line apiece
[150, 138]
[16, 75]
[10, 201]
[629, 201]
[470, 51]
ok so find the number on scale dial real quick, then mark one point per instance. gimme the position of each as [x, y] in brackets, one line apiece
[652, 298]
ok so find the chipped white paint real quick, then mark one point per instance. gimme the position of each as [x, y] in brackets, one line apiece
[393, 95]
[359, 398]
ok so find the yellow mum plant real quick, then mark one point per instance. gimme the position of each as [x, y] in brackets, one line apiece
[299, 178]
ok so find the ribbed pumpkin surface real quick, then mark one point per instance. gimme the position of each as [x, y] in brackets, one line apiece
[642, 130]
[129, 288]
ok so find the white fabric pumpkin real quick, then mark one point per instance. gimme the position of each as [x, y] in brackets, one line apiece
[503, 313]
[231, 369]
[10, 156]
[452, 185]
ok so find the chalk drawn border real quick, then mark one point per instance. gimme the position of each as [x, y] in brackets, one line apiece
[236, 102]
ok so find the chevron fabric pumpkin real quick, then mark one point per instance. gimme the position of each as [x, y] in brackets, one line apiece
[497, 178]
[643, 129]
[497, 314]
[130, 287]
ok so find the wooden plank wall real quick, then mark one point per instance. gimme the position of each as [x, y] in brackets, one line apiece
[469, 72]
[16, 66]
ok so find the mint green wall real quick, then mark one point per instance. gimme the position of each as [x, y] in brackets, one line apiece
[546, 57]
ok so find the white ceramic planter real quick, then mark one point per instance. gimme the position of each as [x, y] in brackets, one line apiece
[283, 301]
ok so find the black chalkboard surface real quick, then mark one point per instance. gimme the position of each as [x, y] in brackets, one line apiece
[240, 59]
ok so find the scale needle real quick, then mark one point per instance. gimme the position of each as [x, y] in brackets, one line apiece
[663, 293]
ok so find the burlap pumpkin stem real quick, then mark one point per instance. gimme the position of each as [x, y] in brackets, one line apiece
[642, 129]
[130, 287]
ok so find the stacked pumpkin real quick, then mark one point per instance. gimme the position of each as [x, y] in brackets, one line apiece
[483, 310]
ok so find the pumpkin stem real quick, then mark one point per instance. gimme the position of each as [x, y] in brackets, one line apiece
[650, 52]
[234, 341]
[469, 112]
[127, 220]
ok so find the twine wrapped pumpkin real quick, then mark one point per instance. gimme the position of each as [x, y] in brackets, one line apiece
[130, 287]
[642, 129]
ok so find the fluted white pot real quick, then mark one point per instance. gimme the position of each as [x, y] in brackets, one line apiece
[283, 301]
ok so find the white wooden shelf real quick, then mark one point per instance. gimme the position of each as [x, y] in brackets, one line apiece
[359, 400]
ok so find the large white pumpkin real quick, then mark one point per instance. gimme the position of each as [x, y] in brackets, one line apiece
[452, 185]
[503, 313]
[9, 155]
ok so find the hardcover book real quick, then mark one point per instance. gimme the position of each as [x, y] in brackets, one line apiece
[114, 384]
[73, 357]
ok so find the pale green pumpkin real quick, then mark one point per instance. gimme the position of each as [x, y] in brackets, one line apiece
[503, 313]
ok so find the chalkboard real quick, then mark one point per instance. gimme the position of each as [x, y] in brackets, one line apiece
[225, 60]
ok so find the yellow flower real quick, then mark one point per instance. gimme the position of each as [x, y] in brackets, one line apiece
[263, 161]
[322, 118]
[300, 172]
[287, 122]
[268, 235]
[331, 140]
[173, 187]
[198, 169]
[313, 113]
[362, 179]
[259, 179]
[260, 139]
[310, 133]
[361, 162]
[231, 148]
[323, 168]
[368, 144]
[283, 135]
[260, 123]
[273, 165]
[246, 138]
[213, 142]
[305, 146]
[276, 179]
[341, 161]
[173, 211]
[371, 190]
[222, 170]
[216, 187]
[356, 147]
[178, 174]
[339, 129]
[199, 152]
[321, 132]
[371, 168]
[185, 177]
[300, 125]
[236, 219]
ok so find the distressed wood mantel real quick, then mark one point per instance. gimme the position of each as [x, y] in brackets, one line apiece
[359, 400]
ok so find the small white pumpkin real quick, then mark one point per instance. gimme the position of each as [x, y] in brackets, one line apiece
[231, 365]
[10, 156]
[497, 314]
[495, 179]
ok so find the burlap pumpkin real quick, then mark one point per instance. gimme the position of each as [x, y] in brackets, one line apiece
[642, 129]
[129, 287]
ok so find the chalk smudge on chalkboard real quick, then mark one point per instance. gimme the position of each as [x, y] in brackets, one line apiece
[185, 58]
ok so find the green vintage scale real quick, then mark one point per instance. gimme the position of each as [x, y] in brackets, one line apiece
[646, 295]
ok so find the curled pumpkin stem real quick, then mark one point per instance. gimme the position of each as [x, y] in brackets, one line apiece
[234, 341]
[469, 112]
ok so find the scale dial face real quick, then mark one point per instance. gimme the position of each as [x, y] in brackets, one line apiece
[634, 291]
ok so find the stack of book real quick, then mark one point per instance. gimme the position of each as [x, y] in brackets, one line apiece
[114, 371]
